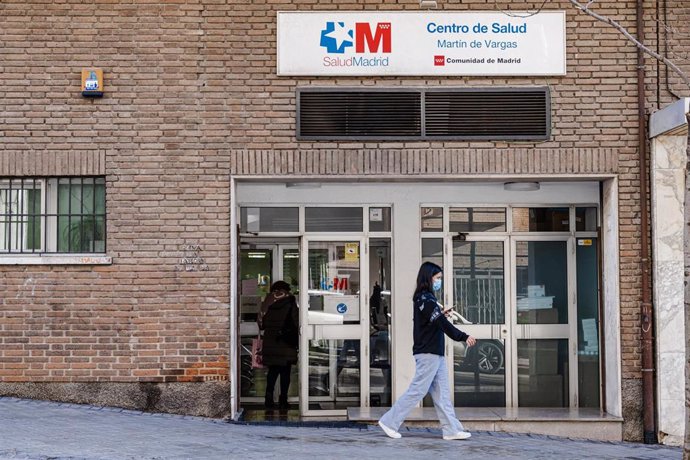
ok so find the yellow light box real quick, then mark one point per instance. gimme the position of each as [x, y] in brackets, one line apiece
[92, 82]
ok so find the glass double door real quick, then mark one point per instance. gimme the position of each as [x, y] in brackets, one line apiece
[344, 317]
[343, 289]
[262, 262]
[517, 296]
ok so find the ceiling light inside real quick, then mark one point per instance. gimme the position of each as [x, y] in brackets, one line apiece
[303, 185]
[521, 186]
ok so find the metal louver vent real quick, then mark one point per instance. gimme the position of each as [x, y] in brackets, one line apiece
[359, 114]
[411, 114]
[511, 113]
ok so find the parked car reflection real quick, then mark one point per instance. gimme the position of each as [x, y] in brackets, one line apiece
[486, 357]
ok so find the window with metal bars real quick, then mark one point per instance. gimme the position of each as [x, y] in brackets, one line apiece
[52, 215]
[443, 113]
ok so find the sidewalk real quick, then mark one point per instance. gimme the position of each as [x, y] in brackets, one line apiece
[41, 430]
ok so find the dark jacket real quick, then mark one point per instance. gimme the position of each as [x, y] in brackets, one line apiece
[279, 321]
[430, 324]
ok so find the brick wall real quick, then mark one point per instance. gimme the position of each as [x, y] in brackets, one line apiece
[594, 106]
[145, 318]
[672, 40]
[190, 86]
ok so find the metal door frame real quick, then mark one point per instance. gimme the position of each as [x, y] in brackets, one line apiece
[566, 331]
[510, 331]
[482, 331]
[277, 249]
[348, 331]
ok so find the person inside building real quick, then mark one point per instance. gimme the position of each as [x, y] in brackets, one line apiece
[279, 321]
[431, 374]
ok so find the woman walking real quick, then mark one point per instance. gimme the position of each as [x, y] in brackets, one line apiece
[431, 374]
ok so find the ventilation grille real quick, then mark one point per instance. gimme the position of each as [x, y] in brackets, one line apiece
[379, 114]
[489, 114]
[467, 113]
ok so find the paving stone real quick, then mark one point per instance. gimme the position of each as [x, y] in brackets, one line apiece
[40, 430]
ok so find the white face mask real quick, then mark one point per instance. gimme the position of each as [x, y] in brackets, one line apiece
[437, 284]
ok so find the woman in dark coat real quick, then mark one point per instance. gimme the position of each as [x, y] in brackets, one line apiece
[279, 319]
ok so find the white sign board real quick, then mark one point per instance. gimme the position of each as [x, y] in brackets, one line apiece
[345, 305]
[420, 43]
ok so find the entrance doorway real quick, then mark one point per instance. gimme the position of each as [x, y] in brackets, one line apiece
[342, 280]
[522, 278]
[262, 262]
[524, 282]
[345, 342]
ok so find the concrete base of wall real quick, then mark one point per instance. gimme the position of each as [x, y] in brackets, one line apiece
[210, 399]
[632, 410]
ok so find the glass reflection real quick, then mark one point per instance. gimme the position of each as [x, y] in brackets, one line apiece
[543, 373]
[338, 219]
[380, 321]
[477, 220]
[256, 268]
[334, 283]
[588, 324]
[479, 374]
[334, 374]
[586, 219]
[291, 269]
[432, 219]
[478, 280]
[269, 219]
[541, 219]
[542, 282]
[379, 219]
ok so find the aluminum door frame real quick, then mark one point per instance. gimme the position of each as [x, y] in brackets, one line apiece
[566, 331]
[277, 249]
[334, 332]
[482, 331]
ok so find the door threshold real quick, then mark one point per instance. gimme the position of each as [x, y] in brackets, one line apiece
[291, 417]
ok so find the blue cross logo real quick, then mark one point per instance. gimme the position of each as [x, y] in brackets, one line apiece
[336, 37]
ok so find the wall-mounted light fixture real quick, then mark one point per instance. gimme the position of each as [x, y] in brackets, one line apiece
[92, 82]
[428, 4]
[521, 186]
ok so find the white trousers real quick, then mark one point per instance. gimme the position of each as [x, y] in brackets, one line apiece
[431, 376]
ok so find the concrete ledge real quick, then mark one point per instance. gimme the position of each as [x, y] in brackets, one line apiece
[56, 260]
[572, 423]
[600, 431]
[205, 399]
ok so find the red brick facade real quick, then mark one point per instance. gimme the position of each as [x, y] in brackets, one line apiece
[190, 88]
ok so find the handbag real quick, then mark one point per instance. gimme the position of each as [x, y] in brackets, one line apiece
[257, 353]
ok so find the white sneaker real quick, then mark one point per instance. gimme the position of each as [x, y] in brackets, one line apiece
[458, 435]
[390, 432]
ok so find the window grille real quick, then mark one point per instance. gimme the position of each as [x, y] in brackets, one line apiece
[52, 215]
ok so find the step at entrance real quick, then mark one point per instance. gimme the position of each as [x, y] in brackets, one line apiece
[571, 423]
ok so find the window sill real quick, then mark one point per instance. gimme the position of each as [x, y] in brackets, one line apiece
[56, 259]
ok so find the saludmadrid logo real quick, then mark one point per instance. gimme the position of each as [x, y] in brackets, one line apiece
[339, 39]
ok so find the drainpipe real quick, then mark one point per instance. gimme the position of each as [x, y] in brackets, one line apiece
[646, 314]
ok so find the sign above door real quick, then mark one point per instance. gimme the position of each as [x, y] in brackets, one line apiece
[421, 43]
